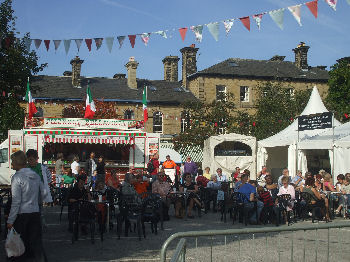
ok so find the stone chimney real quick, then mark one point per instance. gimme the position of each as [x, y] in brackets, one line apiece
[76, 69]
[189, 62]
[131, 67]
[301, 56]
[171, 68]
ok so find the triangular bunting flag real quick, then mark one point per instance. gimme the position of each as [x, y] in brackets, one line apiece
[37, 43]
[332, 4]
[145, 38]
[109, 42]
[47, 44]
[183, 32]
[132, 40]
[27, 43]
[246, 22]
[277, 17]
[163, 33]
[78, 43]
[56, 44]
[214, 30]
[198, 32]
[258, 19]
[88, 42]
[295, 10]
[313, 7]
[121, 40]
[228, 24]
[66, 45]
[98, 42]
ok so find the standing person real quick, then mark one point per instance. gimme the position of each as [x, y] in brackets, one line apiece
[59, 168]
[90, 167]
[100, 168]
[169, 164]
[153, 166]
[220, 175]
[190, 167]
[24, 215]
[75, 166]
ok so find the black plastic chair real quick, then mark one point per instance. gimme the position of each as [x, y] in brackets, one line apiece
[243, 209]
[283, 201]
[309, 206]
[227, 204]
[5, 203]
[63, 199]
[152, 211]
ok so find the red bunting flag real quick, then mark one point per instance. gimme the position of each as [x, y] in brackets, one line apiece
[183, 32]
[132, 40]
[246, 22]
[313, 7]
[47, 44]
[346, 115]
[88, 43]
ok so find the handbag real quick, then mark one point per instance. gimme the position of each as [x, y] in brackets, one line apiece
[14, 245]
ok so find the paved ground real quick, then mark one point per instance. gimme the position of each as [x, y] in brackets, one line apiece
[58, 246]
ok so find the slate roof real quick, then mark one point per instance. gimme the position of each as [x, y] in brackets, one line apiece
[266, 69]
[61, 88]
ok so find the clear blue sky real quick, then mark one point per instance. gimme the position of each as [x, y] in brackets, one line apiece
[328, 35]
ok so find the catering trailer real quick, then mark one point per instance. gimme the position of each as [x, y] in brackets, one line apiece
[122, 143]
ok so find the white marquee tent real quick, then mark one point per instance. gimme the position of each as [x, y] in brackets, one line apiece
[281, 149]
[342, 155]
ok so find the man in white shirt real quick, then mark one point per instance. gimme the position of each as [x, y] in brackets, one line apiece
[221, 177]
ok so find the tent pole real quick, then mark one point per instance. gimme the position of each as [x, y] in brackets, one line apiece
[333, 148]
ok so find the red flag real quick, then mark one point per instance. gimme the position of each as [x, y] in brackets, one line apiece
[313, 7]
[346, 115]
[183, 33]
[47, 44]
[132, 40]
[88, 43]
[246, 22]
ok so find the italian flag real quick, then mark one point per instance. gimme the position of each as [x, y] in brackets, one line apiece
[144, 102]
[90, 108]
[31, 107]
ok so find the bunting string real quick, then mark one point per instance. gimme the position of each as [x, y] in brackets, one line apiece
[276, 15]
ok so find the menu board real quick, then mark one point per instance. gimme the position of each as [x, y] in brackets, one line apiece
[15, 144]
[153, 146]
[315, 121]
[31, 142]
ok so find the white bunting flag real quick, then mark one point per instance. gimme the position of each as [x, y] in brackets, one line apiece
[198, 32]
[258, 19]
[332, 4]
[66, 45]
[78, 43]
[27, 43]
[98, 42]
[214, 30]
[163, 33]
[37, 43]
[145, 38]
[295, 10]
[277, 17]
[57, 44]
[109, 42]
[121, 40]
[228, 24]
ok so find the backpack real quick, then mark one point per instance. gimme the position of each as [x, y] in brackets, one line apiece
[150, 167]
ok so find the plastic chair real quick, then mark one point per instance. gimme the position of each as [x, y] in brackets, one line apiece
[152, 211]
[309, 206]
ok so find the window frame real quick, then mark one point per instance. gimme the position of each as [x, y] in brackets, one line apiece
[158, 115]
[217, 92]
[246, 98]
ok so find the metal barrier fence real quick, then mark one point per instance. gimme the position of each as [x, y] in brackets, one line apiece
[180, 251]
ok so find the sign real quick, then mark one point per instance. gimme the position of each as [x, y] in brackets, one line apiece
[316, 121]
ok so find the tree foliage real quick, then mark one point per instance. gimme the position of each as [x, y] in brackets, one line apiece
[338, 98]
[16, 65]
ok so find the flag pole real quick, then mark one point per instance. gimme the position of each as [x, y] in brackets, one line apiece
[27, 101]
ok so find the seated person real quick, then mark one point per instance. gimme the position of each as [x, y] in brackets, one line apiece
[298, 180]
[287, 189]
[191, 188]
[207, 174]
[344, 199]
[269, 206]
[68, 179]
[213, 185]
[162, 187]
[112, 181]
[101, 190]
[201, 180]
[340, 179]
[140, 185]
[271, 187]
[327, 183]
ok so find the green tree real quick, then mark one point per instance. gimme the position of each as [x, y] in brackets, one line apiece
[338, 98]
[16, 65]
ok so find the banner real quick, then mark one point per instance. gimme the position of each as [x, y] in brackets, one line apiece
[316, 121]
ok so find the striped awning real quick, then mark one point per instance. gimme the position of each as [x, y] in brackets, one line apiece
[89, 139]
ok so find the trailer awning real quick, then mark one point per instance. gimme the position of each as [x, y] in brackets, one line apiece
[90, 139]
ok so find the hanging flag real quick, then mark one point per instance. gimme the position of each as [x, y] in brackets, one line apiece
[246, 22]
[88, 42]
[98, 42]
[121, 40]
[295, 10]
[37, 43]
[145, 38]
[90, 108]
[183, 32]
[332, 4]
[214, 30]
[313, 7]
[144, 104]
[31, 107]
[57, 44]
[163, 33]
[47, 44]
[277, 17]
[27, 43]
[109, 42]
[66, 45]
[258, 19]
[132, 40]
[228, 24]
[198, 32]
[78, 43]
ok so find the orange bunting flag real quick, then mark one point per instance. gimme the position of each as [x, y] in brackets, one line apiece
[313, 7]
[183, 32]
[246, 22]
